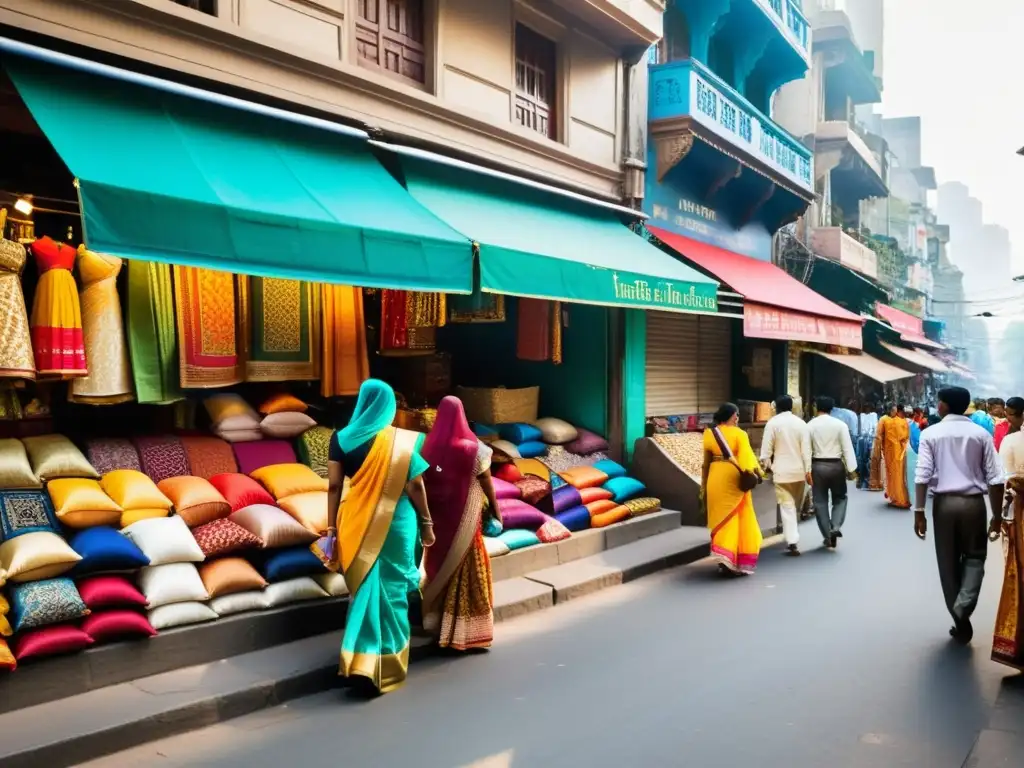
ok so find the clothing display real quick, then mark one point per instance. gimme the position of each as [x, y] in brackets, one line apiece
[56, 313]
[345, 363]
[152, 333]
[539, 330]
[206, 305]
[410, 319]
[282, 322]
[109, 380]
[478, 307]
[16, 358]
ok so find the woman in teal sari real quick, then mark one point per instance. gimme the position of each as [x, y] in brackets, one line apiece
[382, 521]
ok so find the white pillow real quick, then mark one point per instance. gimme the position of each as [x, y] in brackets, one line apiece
[239, 602]
[293, 591]
[495, 547]
[165, 540]
[509, 449]
[180, 614]
[332, 583]
[171, 583]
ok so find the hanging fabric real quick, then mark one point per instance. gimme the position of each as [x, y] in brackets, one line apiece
[345, 361]
[152, 333]
[207, 328]
[539, 330]
[478, 307]
[56, 313]
[109, 380]
[281, 329]
[393, 320]
[16, 358]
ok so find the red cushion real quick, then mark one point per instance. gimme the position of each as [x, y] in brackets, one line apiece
[110, 592]
[115, 625]
[49, 641]
[532, 490]
[223, 536]
[590, 495]
[241, 491]
[507, 472]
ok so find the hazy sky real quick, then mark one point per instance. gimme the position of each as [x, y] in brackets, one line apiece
[960, 66]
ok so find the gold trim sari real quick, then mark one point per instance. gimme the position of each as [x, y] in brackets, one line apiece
[735, 533]
[1008, 639]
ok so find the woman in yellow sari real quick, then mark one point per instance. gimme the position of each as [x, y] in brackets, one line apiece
[384, 515]
[735, 532]
[891, 440]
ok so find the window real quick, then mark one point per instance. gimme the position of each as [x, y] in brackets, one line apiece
[203, 6]
[389, 37]
[536, 67]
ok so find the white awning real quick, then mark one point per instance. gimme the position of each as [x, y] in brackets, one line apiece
[867, 365]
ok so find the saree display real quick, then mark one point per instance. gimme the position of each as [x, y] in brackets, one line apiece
[539, 330]
[1008, 640]
[281, 338]
[735, 532]
[152, 333]
[410, 319]
[16, 358]
[207, 328]
[345, 362]
[109, 380]
[56, 323]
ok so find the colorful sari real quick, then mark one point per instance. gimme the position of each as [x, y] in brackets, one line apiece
[892, 440]
[207, 331]
[377, 540]
[735, 532]
[458, 594]
[1008, 640]
[282, 340]
[345, 363]
[56, 322]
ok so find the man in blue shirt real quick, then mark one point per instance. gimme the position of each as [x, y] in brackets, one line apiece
[980, 416]
[848, 416]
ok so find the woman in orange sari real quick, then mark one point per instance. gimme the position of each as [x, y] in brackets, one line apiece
[891, 440]
[735, 532]
[457, 595]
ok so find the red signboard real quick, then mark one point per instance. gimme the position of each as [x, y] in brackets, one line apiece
[762, 322]
[900, 321]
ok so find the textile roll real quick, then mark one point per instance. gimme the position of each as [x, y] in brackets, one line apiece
[282, 338]
[16, 358]
[345, 363]
[152, 332]
[539, 330]
[209, 456]
[207, 330]
[109, 380]
[56, 323]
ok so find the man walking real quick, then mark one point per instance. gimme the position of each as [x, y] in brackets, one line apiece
[958, 463]
[867, 423]
[786, 450]
[832, 460]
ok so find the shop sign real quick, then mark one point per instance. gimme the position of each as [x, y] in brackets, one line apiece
[664, 294]
[761, 322]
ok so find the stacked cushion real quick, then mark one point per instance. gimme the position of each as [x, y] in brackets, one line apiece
[586, 442]
[42, 603]
[24, 512]
[518, 539]
[604, 513]
[232, 418]
[54, 456]
[180, 614]
[624, 488]
[195, 499]
[594, 493]
[108, 454]
[229, 575]
[241, 491]
[116, 609]
[238, 602]
[308, 509]
[294, 590]
[575, 519]
[82, 503]
[262, 453]
[504, 489]
[15, 469]
[104, 549]
[162, 457]
[208, 456]
[611, 468]
[50, 641]
[283, 480]
[565, 498]
[519, 514]
[553, 530]
[274, 527]
[222, 537]
[117, 624]
[7, 660]
[284, 417]
[171, 583]
[556, 431]
[584, 477]
[164, 541]
[36, 556]
[286, 564]
[136, 494]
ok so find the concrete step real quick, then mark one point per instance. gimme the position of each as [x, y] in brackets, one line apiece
[77, 728]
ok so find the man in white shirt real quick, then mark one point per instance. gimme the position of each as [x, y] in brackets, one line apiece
[957, 461]
[786, 450]
[868, 423]
[832, 461]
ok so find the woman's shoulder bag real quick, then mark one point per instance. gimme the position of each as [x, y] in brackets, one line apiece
[749, 480]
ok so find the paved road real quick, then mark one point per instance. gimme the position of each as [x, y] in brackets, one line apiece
[837, 659]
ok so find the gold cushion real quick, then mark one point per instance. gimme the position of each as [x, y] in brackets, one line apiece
[133, 490]
[81, 503]
[283, 480]
[54, 456]
[310, 509]
[36, 556]
[15, 470]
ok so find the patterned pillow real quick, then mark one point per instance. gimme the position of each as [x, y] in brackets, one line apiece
[314, 446]
[533, 490]
[174, 583]
[553, 530]
[239, 602]
[223, 536]
[263, 453]
[109, 454]
[584, 477]
[229, 411]
[642, 506]
[162, 457]
[209, 456]
[26, 512]
[41, 603]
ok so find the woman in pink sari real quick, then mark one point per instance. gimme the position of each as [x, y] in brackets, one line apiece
[458, 595]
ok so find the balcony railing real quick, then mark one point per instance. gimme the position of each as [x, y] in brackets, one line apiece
[790, 20]
[835, 244]
[687, 89]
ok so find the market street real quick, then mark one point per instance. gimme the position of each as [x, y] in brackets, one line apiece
[833, 659]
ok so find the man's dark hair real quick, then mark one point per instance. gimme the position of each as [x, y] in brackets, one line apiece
[783, 403]
[957, 399]
[824, 403]
[1016, 403]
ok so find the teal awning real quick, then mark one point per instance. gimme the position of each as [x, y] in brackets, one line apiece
[537, 244]
[164, 177]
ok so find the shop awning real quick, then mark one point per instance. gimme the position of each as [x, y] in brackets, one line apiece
[775, 305]
[165, 177]
[918, 358]
[910, 327]
[540, 245]
[867, 365]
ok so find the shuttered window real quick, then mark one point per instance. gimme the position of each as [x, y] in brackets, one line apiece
[536, 70]
[390, 37]
[689, 363]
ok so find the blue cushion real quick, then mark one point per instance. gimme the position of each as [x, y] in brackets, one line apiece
[610, 468]
[492, 527]
[291, 563]
[517, 538]
[532, 449]
[26, 512]
[483, 430]
[520, 433]
[41, 603]
[625, 488]
[575, 519]
[105, 549]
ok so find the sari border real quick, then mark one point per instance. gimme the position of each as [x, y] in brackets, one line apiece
[387, 671]
[402, 447]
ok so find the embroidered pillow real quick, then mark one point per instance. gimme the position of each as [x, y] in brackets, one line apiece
[15, 471]
[552, 531]
[273, 526]
[534, 491]
[283, 480]
[195, 500]
[110, 592]
[104, 549]
[105, 626]
[42, 603]
[286, 426]
[556, 431]
[263, 453]
[173, 583]
[208, 456]
[82, 503]
[309, 509]
[642, 506]
[108, 454]
[54, 456]
[180, 615]
[228, 575]
[162, 456]
[24, 512]
[222, 537]
[50, 641]
[165, 540]
[241, 491]
[36, 556]
[314, 447]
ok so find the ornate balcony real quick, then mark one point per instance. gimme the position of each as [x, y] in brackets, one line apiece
[703, 129]
[787, 16]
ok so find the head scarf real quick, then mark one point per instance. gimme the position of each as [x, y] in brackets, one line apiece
[375, 411]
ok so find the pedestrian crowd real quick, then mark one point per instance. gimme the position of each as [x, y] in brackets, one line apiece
[958, 454]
